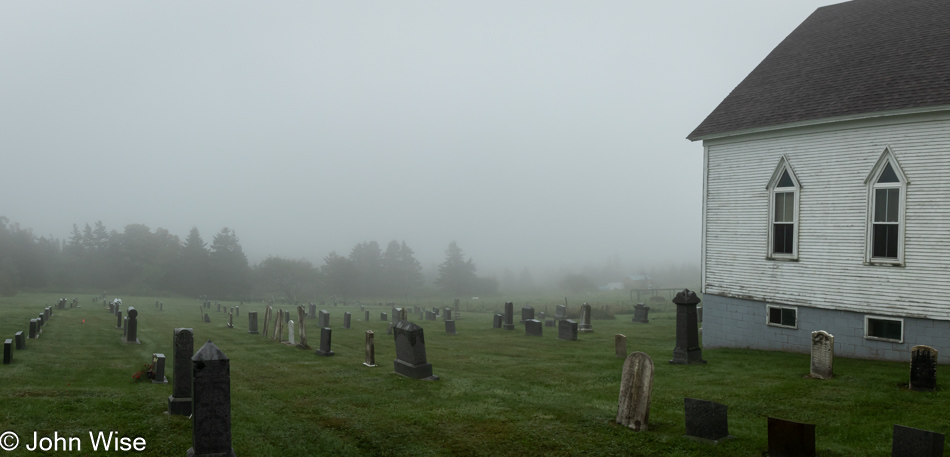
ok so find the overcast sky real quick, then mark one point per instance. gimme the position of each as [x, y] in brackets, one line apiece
[534, 134]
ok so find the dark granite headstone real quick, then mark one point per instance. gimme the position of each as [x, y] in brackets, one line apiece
[183, 345]
[252, 322]
[527, 312]
[346, 320]
[370, 349]
[132, 326]
[411, 352]
[533, 327]
[497, 320]
[641, 313]
[20, 340]
[7, 351]
[207, 318]
[923, 368]
[509, 316]
[389, 328]
[430, 315]
[325, 334]
[312, 311]
[450, 327]
[706, 419]
[34, 325]
[549, 323]
[541, 316]
[790, 439]
[447, 314]
[158, 368]
[560, 312]
[118, 321]
[211, 419]
[567, 330]
[914, 442]
[323, 318]
[383, 316]
[687, 349]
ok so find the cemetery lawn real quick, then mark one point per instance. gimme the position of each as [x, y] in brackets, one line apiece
[501, 392]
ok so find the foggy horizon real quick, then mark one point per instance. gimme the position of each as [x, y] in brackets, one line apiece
[539, 135]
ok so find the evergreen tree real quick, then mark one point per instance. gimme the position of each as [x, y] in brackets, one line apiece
[340, 275]
[193, 265]
[456, 275]
[229, 272]
[366, 259]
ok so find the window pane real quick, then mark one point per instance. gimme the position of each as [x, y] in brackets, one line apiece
[782, 238]
[888, 175]
[789, 207]
[884, 242]
[775, 316]
[882, 328]
[880, 205]
[788, 317]
[779, 206]
[893, 204]
[786, 180]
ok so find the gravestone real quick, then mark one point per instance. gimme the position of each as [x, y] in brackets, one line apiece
[447, 314]
[183, 346]
[286, 316]
[252, 323]
[41, 322]
[787, 438]
[383, 316]
[533, 327]
[118, 321]
[620, 346]
[389, 328]
[541, 316]
[687, 351]
[20, 340]
[636, 388]
[323, 319]
[125, 327]
[370, 349]
[161, 306]
[411, 352]
[302, 316]
[450, 327]
[111, 308]
[822, 354]
[325, 342]
[567, 330]
[913, 442]
[279, 326]
[509, 316]
[641, 313]
[132, 326]
[47, 313]
[313, 310]
[527, 312]
[560, 312]
[33, 327]
[237, 311]
[7, 351]
[207, 318]
[267, 312]
[217, 307]
[923, 368]
[290, 332]
[231, 318]
[346, 320]
[496, 320]
[211, 419]
[549, 322]
[584, 325]
[706, 419]
[158, 369]
[366, 316]
[430, 316]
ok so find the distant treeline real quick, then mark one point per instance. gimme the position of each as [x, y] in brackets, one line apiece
[141, 261]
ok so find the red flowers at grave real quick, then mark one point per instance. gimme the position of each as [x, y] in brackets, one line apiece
[145, 373]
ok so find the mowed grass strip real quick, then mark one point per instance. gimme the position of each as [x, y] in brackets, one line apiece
[501, 392]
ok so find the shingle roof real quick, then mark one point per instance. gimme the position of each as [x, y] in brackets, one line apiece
[852, 58]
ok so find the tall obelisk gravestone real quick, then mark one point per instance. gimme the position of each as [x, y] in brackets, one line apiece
[687, 351]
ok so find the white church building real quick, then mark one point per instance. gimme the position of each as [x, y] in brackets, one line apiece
[826, 188]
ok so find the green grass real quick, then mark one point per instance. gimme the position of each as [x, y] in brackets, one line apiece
[500, 393]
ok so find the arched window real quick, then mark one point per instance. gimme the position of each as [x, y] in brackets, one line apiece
[887, 193]
[784, 189]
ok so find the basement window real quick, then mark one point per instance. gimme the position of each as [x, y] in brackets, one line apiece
[782, 316]
[884, 328]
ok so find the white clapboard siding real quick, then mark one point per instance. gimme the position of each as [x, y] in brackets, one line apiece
[830, 273]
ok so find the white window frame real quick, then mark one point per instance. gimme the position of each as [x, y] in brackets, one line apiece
[768, 312]
[883, 318]
[887, 157]
[783, 166]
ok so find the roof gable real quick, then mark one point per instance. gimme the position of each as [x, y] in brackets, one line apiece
[863, 56]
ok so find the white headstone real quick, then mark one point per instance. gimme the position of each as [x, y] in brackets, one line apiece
[822, 354]
[290, 329]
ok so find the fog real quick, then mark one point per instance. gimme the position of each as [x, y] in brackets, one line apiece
[547, 135]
